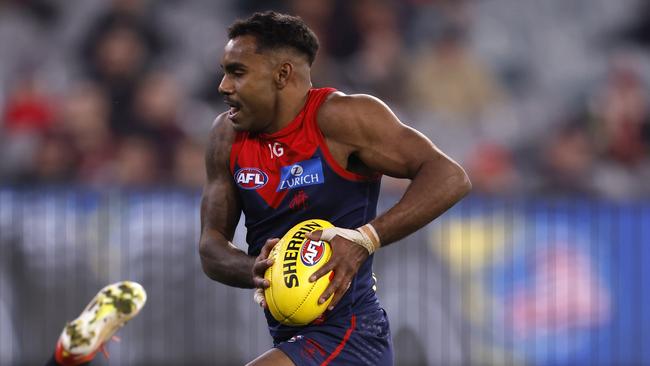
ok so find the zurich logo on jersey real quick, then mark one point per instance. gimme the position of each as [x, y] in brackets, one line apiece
[300, 174]
[251, 178]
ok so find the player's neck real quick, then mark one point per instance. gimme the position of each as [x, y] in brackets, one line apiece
[289, 106]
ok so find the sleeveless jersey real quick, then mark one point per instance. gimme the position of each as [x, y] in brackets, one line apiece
[290, 176]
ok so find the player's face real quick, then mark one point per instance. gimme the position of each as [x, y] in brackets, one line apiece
[248, 86]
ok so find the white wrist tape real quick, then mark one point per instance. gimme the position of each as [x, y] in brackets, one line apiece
[366, 236]
[258, 296]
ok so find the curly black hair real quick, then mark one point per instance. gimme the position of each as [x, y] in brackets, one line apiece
[273, 30]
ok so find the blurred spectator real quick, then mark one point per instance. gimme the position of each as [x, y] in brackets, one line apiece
[327, 20]
[28, 114]
[86, 118]
[316, 13]
[376, 67]
[119, 60]
[430, 19]
[156, 110]
[189, 165]
[122, 44]
[134, 15]
[492, 170]
[157, 102]
[333, 22]
[621, 110]
[28, 109]
[448, 80]
[567, 163]
[119, 55]
[138, 164]
[55, 161]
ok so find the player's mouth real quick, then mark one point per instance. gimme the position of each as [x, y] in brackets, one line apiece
[234, 108]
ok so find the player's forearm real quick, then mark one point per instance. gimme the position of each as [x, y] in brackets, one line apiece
[226, 264]
[435, 188]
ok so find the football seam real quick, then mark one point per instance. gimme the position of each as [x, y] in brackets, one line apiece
[302, 302]
[277, 307]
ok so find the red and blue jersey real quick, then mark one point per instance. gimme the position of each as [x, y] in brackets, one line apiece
[289, 176]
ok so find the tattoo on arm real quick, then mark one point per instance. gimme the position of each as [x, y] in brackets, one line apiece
[221, 260]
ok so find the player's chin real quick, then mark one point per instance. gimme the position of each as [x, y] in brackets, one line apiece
[237, 126]
[238, 123]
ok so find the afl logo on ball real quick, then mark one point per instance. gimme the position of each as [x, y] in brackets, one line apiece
[312, 252]
[251, 178]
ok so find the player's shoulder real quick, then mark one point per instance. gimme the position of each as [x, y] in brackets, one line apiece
[340, 105]
[220, 139]
[222, 127]
[222, 131]
[343, 113]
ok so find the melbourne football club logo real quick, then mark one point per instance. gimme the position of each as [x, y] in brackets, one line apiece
[301, 174]
[251, 178]
[312, 252]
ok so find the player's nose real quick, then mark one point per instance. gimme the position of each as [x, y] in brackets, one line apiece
[226, 87]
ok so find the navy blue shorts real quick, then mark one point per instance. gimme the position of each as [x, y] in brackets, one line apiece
[362, 340]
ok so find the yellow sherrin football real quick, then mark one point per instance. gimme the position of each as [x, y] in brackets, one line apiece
[292, 299]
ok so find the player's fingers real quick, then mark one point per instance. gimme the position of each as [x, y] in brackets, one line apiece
[322, 271]
[338, 295]
[259, 269]
[315, 235]
[270, 243]
[268, 246]
[329, 291]
[261, 282]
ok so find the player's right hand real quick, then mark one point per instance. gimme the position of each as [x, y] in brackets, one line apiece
[262, 263]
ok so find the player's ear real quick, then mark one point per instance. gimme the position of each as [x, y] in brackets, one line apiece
[283, 73]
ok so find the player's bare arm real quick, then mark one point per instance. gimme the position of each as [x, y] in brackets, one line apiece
[220, 211]
[362, 129]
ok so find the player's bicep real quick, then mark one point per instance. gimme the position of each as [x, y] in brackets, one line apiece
[220, 209]
[397, 153]
[220, 204]
[388, 146]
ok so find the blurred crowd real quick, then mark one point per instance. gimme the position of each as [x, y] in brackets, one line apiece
[547, 98]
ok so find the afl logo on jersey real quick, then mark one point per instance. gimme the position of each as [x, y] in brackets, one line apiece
[251, 178]
[312, 252]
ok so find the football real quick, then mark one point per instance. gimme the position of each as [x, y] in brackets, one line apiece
[291, 298]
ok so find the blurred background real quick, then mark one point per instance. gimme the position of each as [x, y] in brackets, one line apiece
[104, 112]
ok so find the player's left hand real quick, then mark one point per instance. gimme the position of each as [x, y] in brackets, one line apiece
[262, 263]
[345, 261]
